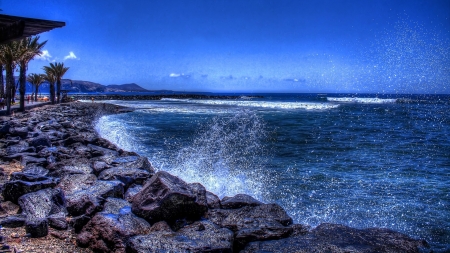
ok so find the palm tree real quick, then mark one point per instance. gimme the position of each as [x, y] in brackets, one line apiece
[2, 85]
[29, 48]
[36, 80]
[50, 79]
[9, 56]
[57, 70]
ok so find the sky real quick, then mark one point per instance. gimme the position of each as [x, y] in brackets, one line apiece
[383, 46]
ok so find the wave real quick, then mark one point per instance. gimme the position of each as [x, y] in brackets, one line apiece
[175, 99]
[271, 105]
[362, 100]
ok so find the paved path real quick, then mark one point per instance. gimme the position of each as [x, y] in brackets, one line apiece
[28, 106]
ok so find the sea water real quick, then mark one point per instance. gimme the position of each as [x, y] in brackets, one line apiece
[359, 160]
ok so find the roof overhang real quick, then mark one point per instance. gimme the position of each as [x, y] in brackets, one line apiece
[14, 28]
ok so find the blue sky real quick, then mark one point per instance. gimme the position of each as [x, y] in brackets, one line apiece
[250, 45]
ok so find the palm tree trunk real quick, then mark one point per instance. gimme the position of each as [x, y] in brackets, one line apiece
[52, 93]
[58, 90]
[9, 85]
[36, 92]
[22, 80]
[2, 85]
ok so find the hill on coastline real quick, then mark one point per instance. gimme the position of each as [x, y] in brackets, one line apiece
[78, 86]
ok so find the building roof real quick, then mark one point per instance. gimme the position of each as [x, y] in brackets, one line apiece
[13, 27]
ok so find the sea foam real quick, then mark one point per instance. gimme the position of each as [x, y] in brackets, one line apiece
[362, 100]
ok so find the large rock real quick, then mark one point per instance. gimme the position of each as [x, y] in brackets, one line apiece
[40, 141]
[127, 176]
[134, 162]
[201, 236]
[212, 200]
[89, 200]
[70, 166]
[238, 201]
[108, 232]
[257, 223]
[12, 190]
[43, 203]
[166, 197]
[339, 238]
[101, 151]
[132, 191]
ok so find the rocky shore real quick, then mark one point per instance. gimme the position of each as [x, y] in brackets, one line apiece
[65, 189]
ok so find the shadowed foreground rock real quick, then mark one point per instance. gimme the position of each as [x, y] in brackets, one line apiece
[166, 197]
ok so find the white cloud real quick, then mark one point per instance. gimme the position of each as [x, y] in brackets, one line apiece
[45, 56]
[70, 56]
[174, 75]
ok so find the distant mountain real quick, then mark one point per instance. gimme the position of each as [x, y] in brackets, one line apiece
[77, 86]
[131, 87]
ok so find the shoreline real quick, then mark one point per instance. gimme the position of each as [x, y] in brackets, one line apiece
[112, 200]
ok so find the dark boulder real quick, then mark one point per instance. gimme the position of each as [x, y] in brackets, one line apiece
[12, 190]
[127, 176]
[257, 223]
[8, 208]
[99, 166]
[238, 201]
[21, 147]
[108, 232]
[19, 131]
[75, 139]
[101, 151]
[201, 236]
[58, 221]
[36, 227]
[70, 166]
[339, 238]
[4, 130]
[113, 205]
[166, 197]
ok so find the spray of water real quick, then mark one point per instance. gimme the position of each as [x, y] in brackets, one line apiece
[227, 156]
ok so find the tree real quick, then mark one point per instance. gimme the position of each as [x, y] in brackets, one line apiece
[2, 85]
[28, 49]
[36, 80]
[50, 79]
[57, 70]
[9, 56]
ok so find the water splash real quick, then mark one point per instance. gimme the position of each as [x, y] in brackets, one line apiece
[226, 156]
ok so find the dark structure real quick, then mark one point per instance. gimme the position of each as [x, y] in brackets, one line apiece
[14, 28]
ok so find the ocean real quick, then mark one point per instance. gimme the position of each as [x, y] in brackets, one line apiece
[362, 160]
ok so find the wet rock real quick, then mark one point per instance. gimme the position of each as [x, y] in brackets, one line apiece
[134, 162]
[131, 192]
[238, 201]
[108, 232]
[19, 148]
[166, 197]
[26, 159]
[12, 190]
[263, 222]
[201, 236]
[88, 201]
[113, 205]
[212, 200]
[100, 151]
[76, 182]
[78, 222]
[4, 130]
[35, 170]
[74, 139]
[339, 238]
[127, 176]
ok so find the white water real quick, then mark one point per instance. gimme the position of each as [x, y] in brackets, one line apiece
[362, 100]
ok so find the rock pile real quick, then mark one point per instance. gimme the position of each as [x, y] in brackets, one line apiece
[70, 178]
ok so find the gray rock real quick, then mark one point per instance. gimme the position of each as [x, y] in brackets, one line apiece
[70, 166]
[58, 221]
[99, 166]
[41, 140]
[201, 236]
[19, 131]
[100, 151]
[340, 239]
[134, 162]
[113, 205]
[128, 176]
[166, 197]
[90, 200]
[43, 203]
[13, 221]
[12, 190]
